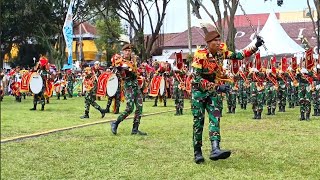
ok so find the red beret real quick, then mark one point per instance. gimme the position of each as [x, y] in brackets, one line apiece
[211, 35]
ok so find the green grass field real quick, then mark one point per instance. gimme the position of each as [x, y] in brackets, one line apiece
[276, 147]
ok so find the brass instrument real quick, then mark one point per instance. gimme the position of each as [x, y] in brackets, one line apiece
[294, 81]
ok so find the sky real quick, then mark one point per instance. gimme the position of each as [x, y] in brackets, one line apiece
[176, 17]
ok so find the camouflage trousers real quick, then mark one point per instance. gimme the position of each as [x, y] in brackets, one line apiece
[271, 99]
[200, 102]
[133, 97]
[39, 97]
[232, 99]
[63, 93]
[243, 97]
[282, 96]
[70, 89]
[90, 99]
[179, 98]
[256, 100]
[304, 99]
[163, 97]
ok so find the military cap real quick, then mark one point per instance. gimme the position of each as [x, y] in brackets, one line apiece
[127, 46]
[211, 35]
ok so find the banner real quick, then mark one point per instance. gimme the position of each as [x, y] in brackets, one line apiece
[258, 61]
[294, 64]
[235, 66]
[179, 60]
[309, 59]
[68, 32]
[265, 63]
[284, 64]
[273, 61]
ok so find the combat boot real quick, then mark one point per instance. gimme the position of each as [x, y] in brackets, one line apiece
[165, 104]
[155, 104]
[177, 112]
[259, 114]
[217, 153]
[283, 108]
[181, 111]
[233, 110]
[308, 116]
[269, 111]
[315, 112]
[102, 111]
[58, 97]
[198, 158]
[65, 98]
[48, 101]
[135, 130]
[117, 111]
[255, 115]
[318, 112]
[114, 127]
[273, 111]
[229, 109]
[85, 116]
[302, 116]
[34, 107]
[244, 106]
[42, 107]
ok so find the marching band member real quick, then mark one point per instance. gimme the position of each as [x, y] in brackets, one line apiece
[304, 92]
[205, 90]
[257, 91]
[43, 70]
[316, 97]
[60, 82]
[179, 86]
[117, 97]
[271, 90]
[90, 84]
[282, 91]
[15, 85]
[164, 71]
[70, 78]
[127, 66]
[2, 76]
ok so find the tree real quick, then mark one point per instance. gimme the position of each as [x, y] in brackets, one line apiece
[135, 13]
[225, 18]
[314, 23]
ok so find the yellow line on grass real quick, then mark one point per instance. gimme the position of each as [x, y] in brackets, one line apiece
[17, 138]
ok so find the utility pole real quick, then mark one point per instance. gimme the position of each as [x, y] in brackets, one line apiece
[189, 31]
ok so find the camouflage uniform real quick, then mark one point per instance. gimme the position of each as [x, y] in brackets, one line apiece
[206, 97]
[133, 95]
[257, 91]
[271, 98]
[40, 96]
[282, 93]
[291, 94]
[70, 79]
[178, 90]
[316, 94]
[232, 98]
[243, 94]
[304, 94]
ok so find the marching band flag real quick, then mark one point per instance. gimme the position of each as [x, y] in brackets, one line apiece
[258, 61]
[68, 32]
[309, 59]
[179, 60]
[273, 61]
[294, 64]
[284, 64]
[235, 66]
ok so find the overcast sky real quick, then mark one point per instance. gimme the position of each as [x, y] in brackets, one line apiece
[176, 17]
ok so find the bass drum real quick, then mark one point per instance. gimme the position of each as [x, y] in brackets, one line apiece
[36, 83]
[112, 85]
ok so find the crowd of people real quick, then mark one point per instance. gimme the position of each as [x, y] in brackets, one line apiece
[206, 84]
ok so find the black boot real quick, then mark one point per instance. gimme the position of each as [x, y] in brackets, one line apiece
[245, 106]
[48, 101]
[165, 104]
[102, 111]
[58, 97]
[308, 116]
[283, 108]
[259, 115]
[217, 153]
[318, 112]
[198, 158]
[42, 107]
[155, 105]
[65, 98]
[34, 107]
[302, 116]
[273, 111]
[135, 130]
[114, 127]
[280, 109]
[177, 112]
[233, 110]
[269, 111]
[315, 112]
[255, 115]
[181, 111]
[117, 111]
[229, 109]
[242, 106]
[85, 116]
[107, 109]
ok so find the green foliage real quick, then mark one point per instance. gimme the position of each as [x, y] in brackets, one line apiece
[276, 147]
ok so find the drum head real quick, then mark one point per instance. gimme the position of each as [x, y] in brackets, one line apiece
[36, 84]
[112, 85]
[162, 86]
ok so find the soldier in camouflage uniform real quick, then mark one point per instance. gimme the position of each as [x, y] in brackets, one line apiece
[232, 97]
[282, 91]
[257, 90]
[304, 90]
[70, 81]
[316, 92]
[291, 94]
[178, 89]
[243, 89]
[90, 84]
[271, 92]
[128, 71]
[205, 91]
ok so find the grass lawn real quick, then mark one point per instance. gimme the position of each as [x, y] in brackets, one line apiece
[276, 147]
